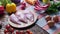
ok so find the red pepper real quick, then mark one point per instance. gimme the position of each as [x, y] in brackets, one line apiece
[1, 9]
[41, 7]
[38, 7]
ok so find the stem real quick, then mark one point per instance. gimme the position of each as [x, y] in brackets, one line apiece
[0, 3]
[7, 1]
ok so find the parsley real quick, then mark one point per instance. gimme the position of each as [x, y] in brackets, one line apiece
[53, 8]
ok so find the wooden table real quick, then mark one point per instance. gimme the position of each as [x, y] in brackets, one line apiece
[34, 28]
[38, 30]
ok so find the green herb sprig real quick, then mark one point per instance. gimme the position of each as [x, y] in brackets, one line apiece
[53, 8]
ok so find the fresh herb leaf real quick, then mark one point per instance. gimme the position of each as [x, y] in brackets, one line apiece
[53, 8]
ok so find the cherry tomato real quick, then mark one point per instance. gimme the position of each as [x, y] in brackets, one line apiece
[28, 31]
[17, 32]
[5, 31]
[12, 30]
[21, 32]
[7, 26]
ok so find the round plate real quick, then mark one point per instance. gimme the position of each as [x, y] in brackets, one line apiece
[23, 24]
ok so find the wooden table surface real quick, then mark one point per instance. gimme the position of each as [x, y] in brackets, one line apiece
[38, 30]
[34, 28]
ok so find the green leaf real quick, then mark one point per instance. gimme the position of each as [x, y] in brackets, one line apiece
[58, 33]
[53, 8]
[0, 3]
[4, 2]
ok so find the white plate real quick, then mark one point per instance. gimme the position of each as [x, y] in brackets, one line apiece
[23, 24]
